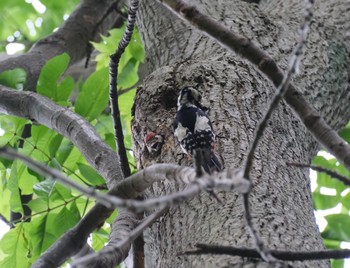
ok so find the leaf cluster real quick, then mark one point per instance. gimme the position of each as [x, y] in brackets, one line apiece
[56, 208]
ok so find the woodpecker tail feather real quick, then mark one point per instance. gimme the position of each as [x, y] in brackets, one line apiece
[209, 161]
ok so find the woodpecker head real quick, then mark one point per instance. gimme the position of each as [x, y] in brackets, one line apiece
[189, 96]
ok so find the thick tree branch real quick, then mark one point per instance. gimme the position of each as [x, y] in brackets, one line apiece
[122, 244]
[280, 255]
[40, 109]
[322, 132]
[73, 37]
[123, 225]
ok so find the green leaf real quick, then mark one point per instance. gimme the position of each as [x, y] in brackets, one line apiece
[27, 179]
[128, 74]
[44, 189]
[345, 133]
[64, 90]
[38, 205]
[15, 199]
[327, 181]
[64, 151]
[55, 144]
[337, 263]
[12, 126]
[346, 200]
[14, 245]
[126, 102]
[61, 192]
[324, 201]
[41, 240]
[111, 218]
[136, 48]
[93, 98]
[5, 195]
[64, 220]
[337, 227]
[50, 74]
[15, 78]
[109, 44]
[50, 190]
[99, 239]
[331, 244]
[90, 174]
[71, 161]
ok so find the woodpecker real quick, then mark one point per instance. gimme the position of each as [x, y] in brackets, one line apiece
[193, 129]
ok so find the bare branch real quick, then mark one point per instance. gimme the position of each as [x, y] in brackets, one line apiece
[278, 254]
[322, 132]
[113, 94]
[124, 243]
[331, 173]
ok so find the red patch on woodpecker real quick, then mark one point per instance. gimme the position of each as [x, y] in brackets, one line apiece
[149, 136]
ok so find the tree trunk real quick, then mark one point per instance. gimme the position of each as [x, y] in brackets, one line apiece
[238, 95]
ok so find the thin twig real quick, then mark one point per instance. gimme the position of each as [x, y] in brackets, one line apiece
[331, 173]
[128, 240]
[113, 77]
[126, 90]
[278, 254]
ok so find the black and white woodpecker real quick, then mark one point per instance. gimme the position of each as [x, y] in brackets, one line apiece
[194, 130]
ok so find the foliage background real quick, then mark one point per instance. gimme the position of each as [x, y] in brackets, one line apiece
[56, 208]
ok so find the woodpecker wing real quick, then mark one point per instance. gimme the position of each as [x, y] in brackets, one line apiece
[193, 129]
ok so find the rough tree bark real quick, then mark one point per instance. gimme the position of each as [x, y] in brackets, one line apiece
[238, 95]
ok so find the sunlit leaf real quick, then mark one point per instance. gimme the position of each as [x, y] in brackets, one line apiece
[14, 245]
